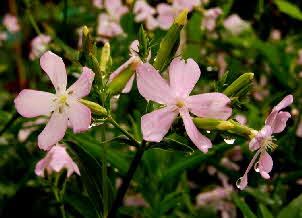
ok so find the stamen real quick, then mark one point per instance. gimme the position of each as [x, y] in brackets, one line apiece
[180, 104]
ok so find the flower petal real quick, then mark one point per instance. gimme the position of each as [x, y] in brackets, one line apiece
[264, 133]
[53, 132]
[265, 164]
[79, 116]
[156, 124]
[201, 142]
[54, 67]
[211, 105]
[165, 15]
[288, 100]
[279, 123]
[152, 86]
[82, 86]
[32, 103]
[183, 76]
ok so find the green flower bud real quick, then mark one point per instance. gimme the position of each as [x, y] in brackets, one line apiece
[94, 107]
[240, 86]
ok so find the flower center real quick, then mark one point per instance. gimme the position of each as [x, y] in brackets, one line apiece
[268, 143]
[61, 101]
[180, 104]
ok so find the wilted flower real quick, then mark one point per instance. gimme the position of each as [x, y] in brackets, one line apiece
[167, 13]
[64, 105]
[134, 61]
[299, 129]
[299, 61]
[209, 19]
[39, 46]
[275, 123]
[56, 160]
[109, 23]
[11, 23]
[222, 64]
[235, 24]
[145, 13]
[175, 96]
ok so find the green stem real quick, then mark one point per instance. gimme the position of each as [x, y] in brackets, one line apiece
[33, 22]
[125, 132]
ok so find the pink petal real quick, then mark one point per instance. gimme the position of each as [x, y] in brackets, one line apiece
[185, 4]
[264, 133]
[183, 76]
[53, 132]
[54, 67]
[201, 142]
[156, 124]
[211, 105]
[152, 86]
[79, 116]
[115, 8]
[32, 103]
[82, 86]
[265, 164]
[165, 15]
[288, 100]
[134, 48]
[41, 166]
[129, 85]
[279, 123]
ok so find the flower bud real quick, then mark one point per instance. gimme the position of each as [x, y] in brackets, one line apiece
[94, 107]
[239, 86]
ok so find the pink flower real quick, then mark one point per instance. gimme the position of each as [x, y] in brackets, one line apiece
[98, 3]
[11, 23]
[144, 13]
[275, 35]
[210, 17]
[134, 61]
[39, 46]
[167, 13]
[56, 160]
[240, 119]
[65, 106]
[109, 23]
[275, 123]
[175, 96]
[235, 24]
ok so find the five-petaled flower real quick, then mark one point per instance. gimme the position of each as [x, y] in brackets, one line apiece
[183, 76]
[65, 106]
[275, 123]
[56, 160]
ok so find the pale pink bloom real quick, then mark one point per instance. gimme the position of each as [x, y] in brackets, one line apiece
[275, 35]
[145, 13]
[215, 195]
[98, 3]
[65, 106]
[275, 123]
[134, 61]
[11, 23]
[135, 201]
[56, 160]
[209, 19]
[299, 129]
[260, 91]
[109, 23]
[240, 119]
[235, 24]
[39, 46]
[175, 96]
[299, 61]
[167, 12]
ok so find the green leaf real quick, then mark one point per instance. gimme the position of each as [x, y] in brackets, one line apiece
[244, 208]
[82, 205]
[293, 209]
[170, 201]
[289, 9]
[265, 213]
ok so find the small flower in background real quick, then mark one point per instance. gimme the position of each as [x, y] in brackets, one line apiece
[222, 64]
[56, 160]
[299, 129]
[175, 96]
[275, 35]
[98, 3]
[209, 19]
[136, 200]
[235, 24]
[299, 61]
[167, 12]
[109, 23]
[134, 61]
[275, 123]
[260, 91]
[3, 37]
[145, 13]
[39, 46]
[11, 23]
[29, 127]
[241, 119]
[64, 106]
